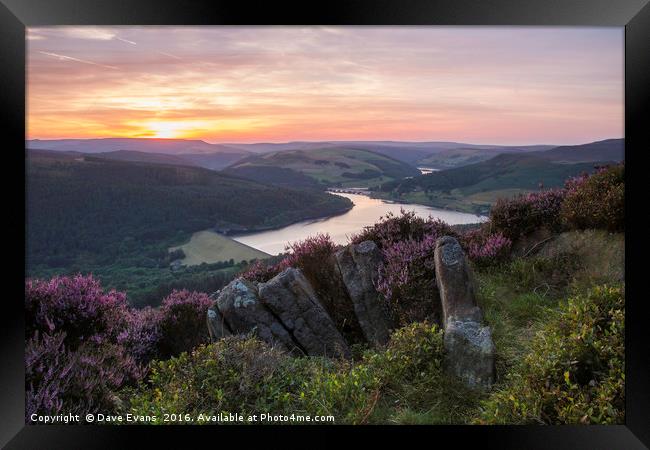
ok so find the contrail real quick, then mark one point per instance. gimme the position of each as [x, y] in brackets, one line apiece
[125, 40]
[170, 55]
[70, 58]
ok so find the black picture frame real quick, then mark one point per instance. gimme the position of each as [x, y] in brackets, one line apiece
[634, 15]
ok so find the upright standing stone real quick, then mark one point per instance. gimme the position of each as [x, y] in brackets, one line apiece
[469, 350]
[359, 268]
[455, 281]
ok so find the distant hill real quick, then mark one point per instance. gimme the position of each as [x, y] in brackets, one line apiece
[89, 211]
[457, 157]
[607, 150]
[156, 151]
[152, 158]
[325, 167]
[475, 187]
[214, 161]
[269, 147]
[417, 153]
[409, 152]
[502, 171]
[149, 145]
[435, 154]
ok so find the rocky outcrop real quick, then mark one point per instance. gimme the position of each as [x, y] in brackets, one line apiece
[469, 350]
[283, 312]
[288, 311]
[333, 296]
[243, 312]
[358, 266]
[217, 327]
[292, 301]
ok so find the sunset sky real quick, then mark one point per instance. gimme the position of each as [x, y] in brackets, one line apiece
[506, 85]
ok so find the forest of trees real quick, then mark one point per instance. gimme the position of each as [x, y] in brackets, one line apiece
[119, 218]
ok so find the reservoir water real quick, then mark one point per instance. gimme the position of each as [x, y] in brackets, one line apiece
[366, 211]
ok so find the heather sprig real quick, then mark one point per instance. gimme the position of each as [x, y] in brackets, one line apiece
[407, 278]
[525, 213]
[182, 322]
[490, 250]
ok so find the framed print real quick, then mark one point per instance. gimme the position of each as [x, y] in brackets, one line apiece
[325, 217]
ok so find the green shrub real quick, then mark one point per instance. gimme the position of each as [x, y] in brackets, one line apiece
[575, 370]
[597, 202]
[525, 213]
[244, 375]
[182, 322]
[407, 372]
[228, 376]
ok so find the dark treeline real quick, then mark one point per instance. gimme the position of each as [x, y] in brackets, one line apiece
[87, 214]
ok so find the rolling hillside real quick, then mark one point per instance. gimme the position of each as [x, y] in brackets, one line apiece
[155, 151]
[94, 211]
[418, 154]
[214, 161]
[150, 145]
[409, 152]
[322, 168]
[144, 157]
[607, 150]
[475, 187]
[456, 157]
[504, 171]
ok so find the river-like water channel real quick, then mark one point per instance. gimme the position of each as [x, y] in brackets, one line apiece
[366, 211]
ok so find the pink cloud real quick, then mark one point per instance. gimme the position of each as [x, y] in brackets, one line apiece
[508, 85]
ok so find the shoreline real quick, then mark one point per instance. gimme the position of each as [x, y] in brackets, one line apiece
[442, 208]
[279, 227]
[369, 194]
[335, 191]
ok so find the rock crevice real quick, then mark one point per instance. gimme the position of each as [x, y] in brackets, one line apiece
[358, 266]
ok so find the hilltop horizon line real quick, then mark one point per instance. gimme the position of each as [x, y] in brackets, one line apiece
[316, 141]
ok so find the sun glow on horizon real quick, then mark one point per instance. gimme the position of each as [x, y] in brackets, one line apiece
[486, 85]
[165, 130]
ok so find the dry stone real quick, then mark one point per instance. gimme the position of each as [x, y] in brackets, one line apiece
[359, 268]
[217, 326]
[241, 309]
[455, 281]
[287, 312]
[469, 350]
[291, 299]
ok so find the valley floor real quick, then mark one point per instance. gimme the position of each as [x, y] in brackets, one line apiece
[210, 247]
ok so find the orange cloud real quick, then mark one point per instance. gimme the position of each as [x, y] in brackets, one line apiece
[248, 84]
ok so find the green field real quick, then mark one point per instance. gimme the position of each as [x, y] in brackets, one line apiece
[456, 157]
[210, 247]
[476, 187]
[327, 167]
